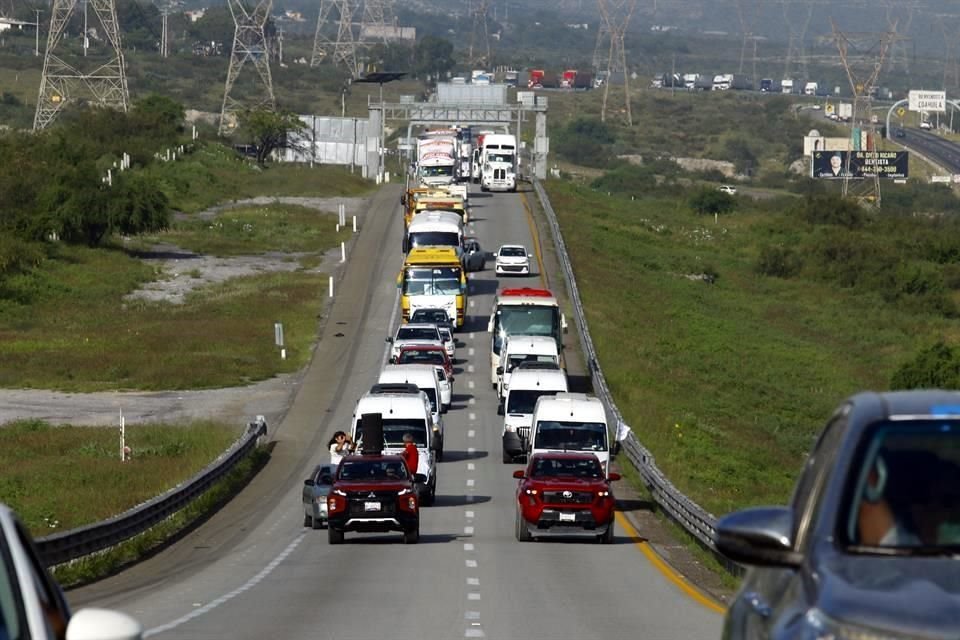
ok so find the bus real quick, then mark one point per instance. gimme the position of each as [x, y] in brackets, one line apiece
[523, 310]
[433, 278]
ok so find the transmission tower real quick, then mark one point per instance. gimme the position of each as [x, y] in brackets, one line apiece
[615, 16]
[797, 31]
[748, 12]
[105, 79]
[377, 22]
[479, 52]
[863, 56]
[951, 38]
[898, 48]
[601, 52]
[341, 49]
[249, 45]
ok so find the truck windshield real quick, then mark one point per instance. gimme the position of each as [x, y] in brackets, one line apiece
[571, 436]
[437, 172]
[394, 428]
[524, 400]
[527, 319]
[434, 238]
[437, 281]
[500, 156]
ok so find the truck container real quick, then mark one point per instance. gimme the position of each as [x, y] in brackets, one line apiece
[741, 82]
[584, 80]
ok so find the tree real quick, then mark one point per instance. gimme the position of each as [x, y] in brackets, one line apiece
[271, 130]
[738, 151]
[709, 201]
[432, 56]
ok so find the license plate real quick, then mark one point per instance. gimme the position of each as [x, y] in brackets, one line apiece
[371, 506]
[568, 517]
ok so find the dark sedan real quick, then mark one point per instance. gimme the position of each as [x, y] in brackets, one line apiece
[868, 547]
[474, 257]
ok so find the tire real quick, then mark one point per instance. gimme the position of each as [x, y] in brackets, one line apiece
[440, 452]
[412, 536]
[607, 536]
[317, 523]
[334, 536]
[507, 458]
[520, 529]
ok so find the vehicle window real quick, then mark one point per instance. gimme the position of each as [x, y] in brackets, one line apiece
[904, 488]
[437, 281]
[12, 617]
[813, 478]
[372, 470]
[49, 594]
[516, 360]
[434, 238]
[571, 436]
[513, 252]
[420, 356]
[394, 430]
[553, 467]
[523, 401]
[425, 333]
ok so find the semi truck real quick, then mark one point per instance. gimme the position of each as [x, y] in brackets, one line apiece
[437, 162]
[786, 85]
[810, 89]
[499, 159]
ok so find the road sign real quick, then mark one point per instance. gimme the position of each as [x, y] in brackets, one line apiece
[829, 109]
[927, 101]
[901, 111]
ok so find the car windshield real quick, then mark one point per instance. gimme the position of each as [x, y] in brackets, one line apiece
[513, 252]
[904, 492]
[566, 468]
[438, 281]
[373, 470]
[434, 239]
[418, 333]
[394, 428]
[571, 436]
[524, 400]
[515, 360]
[421, 356]
[436, 316]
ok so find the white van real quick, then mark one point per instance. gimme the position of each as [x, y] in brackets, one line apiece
[526, 387]
[404, 410]
[424, 376]
[519, 348]
[570, 422]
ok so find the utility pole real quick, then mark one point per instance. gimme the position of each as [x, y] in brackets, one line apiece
[86, 32]
[615, 16]
[280, 45]
[106, 83]
[36, 46]
[479, 12]
[249, 45]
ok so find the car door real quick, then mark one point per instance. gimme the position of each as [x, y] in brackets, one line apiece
[771, 596]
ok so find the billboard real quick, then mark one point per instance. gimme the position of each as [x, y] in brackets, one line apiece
[863, 164]
[927, 101]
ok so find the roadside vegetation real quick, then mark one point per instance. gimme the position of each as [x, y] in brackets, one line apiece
[735, 339]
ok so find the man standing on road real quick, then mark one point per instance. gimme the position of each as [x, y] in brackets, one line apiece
[410, 454]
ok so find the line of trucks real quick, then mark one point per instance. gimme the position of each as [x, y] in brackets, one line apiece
[447, 157]
[735, 81]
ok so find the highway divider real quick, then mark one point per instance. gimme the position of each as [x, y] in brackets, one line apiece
[71, 545]
[694, 519]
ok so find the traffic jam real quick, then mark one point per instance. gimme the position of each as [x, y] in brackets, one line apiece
[384, 466]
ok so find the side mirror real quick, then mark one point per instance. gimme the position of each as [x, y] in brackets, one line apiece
[403, 199]
[103, 624]
[500, 409]
[759, 536]
[519, 474]
[563, 323]
[388, 339]
[419, 478]
[490, 325]
[613, 476]
[499, 371]
[309, 482]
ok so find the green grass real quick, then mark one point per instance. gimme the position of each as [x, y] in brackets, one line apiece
[62, 477]
[213, 174]
[728, 383]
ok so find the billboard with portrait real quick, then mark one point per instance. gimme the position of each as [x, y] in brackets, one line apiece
[862, 164]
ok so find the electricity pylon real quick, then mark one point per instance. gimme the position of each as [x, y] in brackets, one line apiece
[615, 18]
[797, 30]
[480, 29]
[105, 79]
[249, 45]
[341, 49]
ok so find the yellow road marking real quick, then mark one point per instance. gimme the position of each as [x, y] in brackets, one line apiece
[668, 571]
[536, 239]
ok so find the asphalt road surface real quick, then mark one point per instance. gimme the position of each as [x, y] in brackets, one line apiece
[253, 571]
[939, 150]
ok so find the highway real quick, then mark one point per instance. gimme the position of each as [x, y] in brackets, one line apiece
[253, 571]
[937, 149]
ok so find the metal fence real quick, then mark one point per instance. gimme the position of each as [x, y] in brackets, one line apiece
[76, 543]
[697, 521]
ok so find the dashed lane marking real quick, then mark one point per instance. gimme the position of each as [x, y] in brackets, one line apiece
[468, 531]
[473, 596]
[468, 514]
[470, 482]
[471, 351]
[471, 467]
[473, 582]
[471, 564]
[471, 433]
[468, 546]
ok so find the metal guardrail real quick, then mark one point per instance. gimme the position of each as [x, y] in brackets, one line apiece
[696, 520]
[76, 543]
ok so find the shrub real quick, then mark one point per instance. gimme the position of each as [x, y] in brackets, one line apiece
[586, 141]
[833, 210]
[934, 367]
[778, 261]
[709, 201]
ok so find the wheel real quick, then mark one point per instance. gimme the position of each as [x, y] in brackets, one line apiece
[334, 536]
[607, 536]
[317, 523]
[520, 528]
[307, 520]
[440, 453]
[507, 458]
[412, 536]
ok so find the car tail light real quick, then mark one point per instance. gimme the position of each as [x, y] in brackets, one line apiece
[412, 503]
[331, 504]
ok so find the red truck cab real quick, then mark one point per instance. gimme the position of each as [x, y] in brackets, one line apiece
[565, 494]
[536, 79]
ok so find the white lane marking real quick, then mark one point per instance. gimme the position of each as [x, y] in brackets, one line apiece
[210, 606]
[470, 368]
[471, 304]
[467, 546]
[471, 351]
[473, 596]
[473, 633]
[472, 615]
[471, 384]
[472, 416]
[471, 466]
[471, 451]
[468, 531]
[470, 482]
[472, 564]
[471, 433]
[468, 513]
[472, 400]
[473, 582]
[472, 334]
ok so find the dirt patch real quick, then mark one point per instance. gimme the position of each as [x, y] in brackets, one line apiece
[181, 272]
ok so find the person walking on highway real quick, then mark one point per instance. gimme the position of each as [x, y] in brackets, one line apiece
[410, 454]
